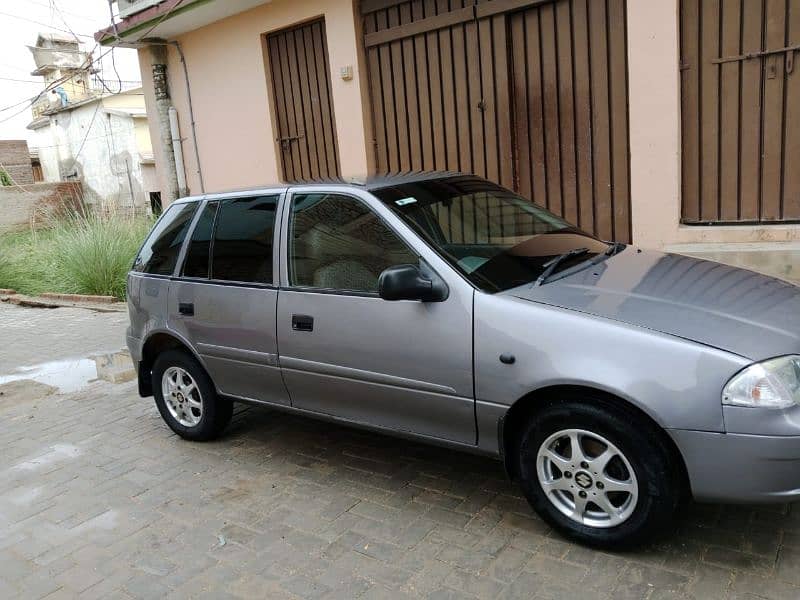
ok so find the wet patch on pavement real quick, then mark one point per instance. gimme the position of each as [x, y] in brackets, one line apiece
[65, 376]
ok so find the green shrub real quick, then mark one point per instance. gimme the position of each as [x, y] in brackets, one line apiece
[5, 178]
[77, 255]
[92, 254]
[23, 264]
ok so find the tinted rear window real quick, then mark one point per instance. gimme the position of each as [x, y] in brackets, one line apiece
[159, 254]
[242, 247]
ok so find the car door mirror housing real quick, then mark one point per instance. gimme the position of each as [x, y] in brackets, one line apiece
[410, 282]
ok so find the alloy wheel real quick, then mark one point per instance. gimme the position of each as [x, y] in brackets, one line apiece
[587, 478]
[182, 396]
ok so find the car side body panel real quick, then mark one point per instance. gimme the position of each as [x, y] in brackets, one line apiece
[233, 331]
[148, 306]
[404, 366]
[676, 382]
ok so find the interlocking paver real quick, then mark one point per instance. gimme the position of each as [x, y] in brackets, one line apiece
[99, 499]
[32, 336]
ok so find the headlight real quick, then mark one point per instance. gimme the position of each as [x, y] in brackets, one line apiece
[774, 383]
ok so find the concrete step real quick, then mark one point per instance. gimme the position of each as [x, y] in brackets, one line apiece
[777, 259]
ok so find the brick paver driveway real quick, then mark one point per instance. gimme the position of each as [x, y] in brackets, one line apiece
[99, 499]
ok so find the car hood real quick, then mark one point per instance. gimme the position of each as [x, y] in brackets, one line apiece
[733, 309]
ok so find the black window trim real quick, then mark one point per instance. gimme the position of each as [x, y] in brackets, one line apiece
[226, 283]
[290, 195]
[219, 199]
[188, 242]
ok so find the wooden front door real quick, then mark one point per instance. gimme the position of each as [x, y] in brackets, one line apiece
[531, 94]
[301, 89]
[740, 90]
[570, 98]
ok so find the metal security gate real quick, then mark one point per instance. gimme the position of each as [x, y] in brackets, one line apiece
[530, 94]
[301, 84]
[740, 110]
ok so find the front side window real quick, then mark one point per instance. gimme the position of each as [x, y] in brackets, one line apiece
[242, 246]
[197, 255]
[159, 254]
[496, 239]
[338, 243]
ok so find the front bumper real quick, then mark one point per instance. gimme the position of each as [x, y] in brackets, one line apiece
[734, 467]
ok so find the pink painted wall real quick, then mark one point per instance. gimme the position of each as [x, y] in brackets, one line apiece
[231, 99]
[237, 142]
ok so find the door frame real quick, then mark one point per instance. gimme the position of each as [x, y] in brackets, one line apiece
[461, 292]
[272, 107]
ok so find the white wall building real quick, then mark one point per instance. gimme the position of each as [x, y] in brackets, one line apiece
[103, 141]
[84, 132]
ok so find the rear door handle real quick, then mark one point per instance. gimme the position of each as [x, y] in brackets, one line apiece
[302, 323]
[186, 308]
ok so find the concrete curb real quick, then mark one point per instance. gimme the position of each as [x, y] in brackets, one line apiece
[45, 302]
[115, 367]
[79, 298]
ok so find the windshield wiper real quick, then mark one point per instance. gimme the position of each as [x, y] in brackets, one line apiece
[615, 248]
[551, 265]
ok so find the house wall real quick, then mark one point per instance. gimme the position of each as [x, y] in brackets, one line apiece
[16, 161]
[97, 147]
[31, 205]
[142, 133]
[231, 96]
[655, 138]
[234, 119]
[44, 140]
[104, 147]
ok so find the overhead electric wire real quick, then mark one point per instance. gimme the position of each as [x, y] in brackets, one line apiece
[21, 80]
[54, 9]
[31, 101]
[5, 14]
[88, 129]
[66, 12]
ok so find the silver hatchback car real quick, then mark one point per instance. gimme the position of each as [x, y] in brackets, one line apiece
[614, 383]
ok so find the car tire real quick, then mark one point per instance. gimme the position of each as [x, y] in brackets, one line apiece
[627, 501]
[186, 398]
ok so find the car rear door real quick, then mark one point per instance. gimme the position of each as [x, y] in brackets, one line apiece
[406, 365]
[224, 300]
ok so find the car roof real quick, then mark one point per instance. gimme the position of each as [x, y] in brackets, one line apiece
[369, 183]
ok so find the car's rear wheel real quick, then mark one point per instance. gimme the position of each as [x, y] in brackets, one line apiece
[598, 474]
[186, 398]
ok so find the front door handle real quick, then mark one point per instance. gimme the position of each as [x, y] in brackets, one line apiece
[302, 323]
[186, 309]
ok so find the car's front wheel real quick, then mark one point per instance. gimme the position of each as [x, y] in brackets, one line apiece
[598, 474]
[186, 398]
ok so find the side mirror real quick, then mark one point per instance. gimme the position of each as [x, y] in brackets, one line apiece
[409, 282]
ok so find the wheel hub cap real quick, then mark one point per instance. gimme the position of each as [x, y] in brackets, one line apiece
[584, 480]
[587, 478]
[182, 396]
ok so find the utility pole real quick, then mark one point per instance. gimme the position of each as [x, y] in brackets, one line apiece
[158, 53]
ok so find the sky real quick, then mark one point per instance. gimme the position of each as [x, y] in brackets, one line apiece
[20, 23]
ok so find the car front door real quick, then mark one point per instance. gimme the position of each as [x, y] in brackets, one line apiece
[405, 365]
[225, 297]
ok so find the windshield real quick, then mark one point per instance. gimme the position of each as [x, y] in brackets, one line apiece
[497, 239]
